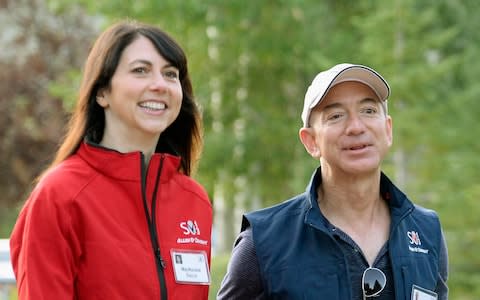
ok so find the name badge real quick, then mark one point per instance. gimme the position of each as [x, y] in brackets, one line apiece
[190, 266]
[419, 293]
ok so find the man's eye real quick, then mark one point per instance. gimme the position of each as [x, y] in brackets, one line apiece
[334, 117]
[370, 110]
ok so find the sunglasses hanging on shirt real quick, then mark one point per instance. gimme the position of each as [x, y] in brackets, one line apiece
[373, 282]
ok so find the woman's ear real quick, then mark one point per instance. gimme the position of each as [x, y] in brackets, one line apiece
[307, 136]
[101, 100]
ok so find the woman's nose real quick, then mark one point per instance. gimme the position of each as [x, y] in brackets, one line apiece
[159, 82]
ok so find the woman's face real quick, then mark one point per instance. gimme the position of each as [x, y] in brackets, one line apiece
[144, 98]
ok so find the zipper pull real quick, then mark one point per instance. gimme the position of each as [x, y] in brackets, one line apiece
[159, 257]
[162, 263]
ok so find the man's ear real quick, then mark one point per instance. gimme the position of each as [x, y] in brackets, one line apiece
[101, 100]
[307, 136]
[389, 128]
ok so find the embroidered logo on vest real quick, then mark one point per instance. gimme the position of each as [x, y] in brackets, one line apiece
[414, 238]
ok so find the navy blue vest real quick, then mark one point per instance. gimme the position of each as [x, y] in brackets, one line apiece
[300, 259]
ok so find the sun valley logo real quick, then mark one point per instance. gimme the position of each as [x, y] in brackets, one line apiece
[190, 227]
[192, 231]
[415, 240]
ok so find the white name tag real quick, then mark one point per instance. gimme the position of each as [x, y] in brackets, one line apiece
[190, 266]
[419, 293]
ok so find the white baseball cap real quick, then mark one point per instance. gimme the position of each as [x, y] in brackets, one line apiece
[325, 80]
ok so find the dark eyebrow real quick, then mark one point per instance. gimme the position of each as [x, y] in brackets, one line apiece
[149, 63]
[142, 61]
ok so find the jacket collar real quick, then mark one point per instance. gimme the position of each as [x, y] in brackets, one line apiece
[126, 166]
[398, 202]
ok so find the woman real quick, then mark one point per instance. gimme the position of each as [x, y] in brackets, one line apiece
[116, 215]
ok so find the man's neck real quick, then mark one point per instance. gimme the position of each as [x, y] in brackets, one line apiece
[347, 191]
[356, 207]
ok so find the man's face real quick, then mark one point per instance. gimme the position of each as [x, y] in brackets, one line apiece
[350, 130]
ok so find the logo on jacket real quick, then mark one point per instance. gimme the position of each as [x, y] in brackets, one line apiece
[192, 231]
[190, 227]
[414, 238]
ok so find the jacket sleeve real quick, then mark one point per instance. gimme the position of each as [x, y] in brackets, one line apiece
[243, 279]
[43, 248]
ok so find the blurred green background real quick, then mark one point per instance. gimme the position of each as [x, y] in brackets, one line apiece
[251, 62]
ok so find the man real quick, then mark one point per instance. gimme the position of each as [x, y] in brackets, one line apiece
[353, 234]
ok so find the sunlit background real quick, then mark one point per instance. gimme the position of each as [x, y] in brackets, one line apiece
[251, 62]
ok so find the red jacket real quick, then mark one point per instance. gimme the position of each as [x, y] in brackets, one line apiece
[83, 232]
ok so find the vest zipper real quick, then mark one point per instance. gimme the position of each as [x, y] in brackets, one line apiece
[152, 226]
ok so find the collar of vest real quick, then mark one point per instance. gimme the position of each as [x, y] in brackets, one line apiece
[398, 202]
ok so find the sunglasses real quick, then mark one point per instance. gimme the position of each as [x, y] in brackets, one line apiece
[373, 282]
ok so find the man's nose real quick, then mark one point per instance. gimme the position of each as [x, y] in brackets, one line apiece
[355, 125]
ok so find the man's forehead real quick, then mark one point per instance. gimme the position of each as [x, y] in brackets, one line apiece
[338, 103]
[351, 86]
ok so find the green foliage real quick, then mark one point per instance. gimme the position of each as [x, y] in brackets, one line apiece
[7, 218]
[251, 62]
[66, 88]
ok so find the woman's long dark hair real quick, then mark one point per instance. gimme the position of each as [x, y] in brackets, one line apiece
[182, 138]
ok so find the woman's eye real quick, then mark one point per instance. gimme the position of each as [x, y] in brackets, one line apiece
[171, 74]
[140, 70]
